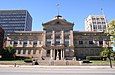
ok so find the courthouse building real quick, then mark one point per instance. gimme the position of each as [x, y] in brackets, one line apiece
[57, 41]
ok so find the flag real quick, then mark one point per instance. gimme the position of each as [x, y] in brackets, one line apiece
[57, 5]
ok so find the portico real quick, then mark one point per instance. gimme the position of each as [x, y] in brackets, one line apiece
[57, 54]
[58, 37]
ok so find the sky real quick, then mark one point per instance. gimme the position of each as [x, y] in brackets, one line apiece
[72, 10]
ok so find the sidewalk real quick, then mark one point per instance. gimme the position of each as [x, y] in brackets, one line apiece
[58, 67]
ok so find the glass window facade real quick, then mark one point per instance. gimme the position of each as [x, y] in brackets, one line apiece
[15, 20]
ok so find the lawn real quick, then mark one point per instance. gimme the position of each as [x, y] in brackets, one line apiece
[99, 63]
[18, 62]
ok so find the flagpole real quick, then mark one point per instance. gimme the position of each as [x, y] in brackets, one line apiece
[58, 8]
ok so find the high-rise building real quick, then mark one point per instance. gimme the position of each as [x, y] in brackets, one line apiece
[15, 20]
[97, 23]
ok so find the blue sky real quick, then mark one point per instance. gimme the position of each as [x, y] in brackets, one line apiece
[72, 10]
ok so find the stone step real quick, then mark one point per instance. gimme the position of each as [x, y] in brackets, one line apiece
[58, 63]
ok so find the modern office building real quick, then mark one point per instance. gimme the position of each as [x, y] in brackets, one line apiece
[97, 23]
[57, 41]
[1, 38]
[15, 20]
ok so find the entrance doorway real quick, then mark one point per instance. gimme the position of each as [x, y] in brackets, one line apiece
[58, 54]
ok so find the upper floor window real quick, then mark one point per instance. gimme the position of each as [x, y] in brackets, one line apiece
[40, 42]
[100, 42]
[35, 43]
[93, 18]
[25, 42]
[103, 22]
[90, 42]
[80, 42]
[102, 18]
[15, 42]
[30, 42]
[97, 18]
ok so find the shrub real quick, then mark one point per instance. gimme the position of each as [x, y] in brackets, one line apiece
[86, 61]
[28, 60]
[95, 58]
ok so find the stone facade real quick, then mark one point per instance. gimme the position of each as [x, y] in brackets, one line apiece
[57, 41]
[27, 43]
[89, 43]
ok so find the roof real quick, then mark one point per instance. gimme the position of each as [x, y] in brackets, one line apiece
[58, 18]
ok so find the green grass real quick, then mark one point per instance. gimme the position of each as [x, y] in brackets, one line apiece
[12, 62]
[102, 62]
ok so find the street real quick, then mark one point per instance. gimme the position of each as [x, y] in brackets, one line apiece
[55, 71]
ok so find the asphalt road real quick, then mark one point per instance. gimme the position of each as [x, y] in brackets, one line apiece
[54, 71]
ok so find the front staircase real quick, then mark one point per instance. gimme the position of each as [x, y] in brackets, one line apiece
[58, 63]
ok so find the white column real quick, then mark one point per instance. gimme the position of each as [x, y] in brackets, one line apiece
[17, 51]
[61, 54]
[44, 38]
[98, 43]
[53, 38]
[31, 52]
[26, 52]
[57, 57]
[71, 38]
[21, 52]
[104, 43]
[53, 53]
[62, 37]
[51, 56]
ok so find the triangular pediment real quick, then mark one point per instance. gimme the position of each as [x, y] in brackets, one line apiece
[58, 21]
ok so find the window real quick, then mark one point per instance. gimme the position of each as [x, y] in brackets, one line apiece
[102, 18]
[34, 51]
[24, 51]
[104, 26]
[20, 42]
[48, 53]
[100, 42]
[39, 51]
[66, 43]
[90, 42]
[94, 27]
[99, 27]
[25, 42]
[98, 22]
[103, 22]
[35, 43]
[19, 51]
[94, 22]
[30, 42]
[97, 18]
[80, 42]
[40, 42]
[29, 51]
[93, 18]
[57, 42]
[15, 42]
